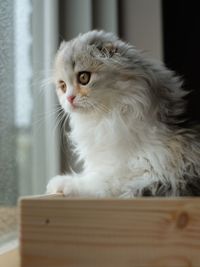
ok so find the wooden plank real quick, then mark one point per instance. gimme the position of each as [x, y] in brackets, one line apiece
[148, 232]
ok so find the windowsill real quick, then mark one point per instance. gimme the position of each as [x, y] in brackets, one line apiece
[9, 255]
[8, 225]
[10, 258]
[9, 246]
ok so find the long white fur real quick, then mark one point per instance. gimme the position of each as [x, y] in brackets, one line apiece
[121, 131]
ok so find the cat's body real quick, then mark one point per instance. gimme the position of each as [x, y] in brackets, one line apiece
[123, 112]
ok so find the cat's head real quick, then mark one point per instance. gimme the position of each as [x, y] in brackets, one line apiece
[85, 74]
[97, 73]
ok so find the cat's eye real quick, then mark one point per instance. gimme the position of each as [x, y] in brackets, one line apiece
[83, 77]
[62, 85]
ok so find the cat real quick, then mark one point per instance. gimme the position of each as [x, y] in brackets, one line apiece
[125, 112]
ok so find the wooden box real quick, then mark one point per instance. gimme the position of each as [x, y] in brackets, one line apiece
[147, 232]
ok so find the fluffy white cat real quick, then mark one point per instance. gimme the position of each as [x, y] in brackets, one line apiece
[124, 111]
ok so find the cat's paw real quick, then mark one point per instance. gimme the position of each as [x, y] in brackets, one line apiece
[61, 184]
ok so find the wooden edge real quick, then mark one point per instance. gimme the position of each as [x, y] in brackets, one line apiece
[148, 201]
[46, 196]
[60, 196]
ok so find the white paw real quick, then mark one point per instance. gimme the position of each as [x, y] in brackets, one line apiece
[61, 184]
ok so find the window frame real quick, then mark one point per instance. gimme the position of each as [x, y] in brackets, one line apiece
[45, 156]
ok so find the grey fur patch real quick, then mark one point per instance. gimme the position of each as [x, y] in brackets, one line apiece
[192, 187]
[157, 189]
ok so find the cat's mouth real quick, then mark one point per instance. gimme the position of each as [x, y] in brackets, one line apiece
[81, 106]
[86, 105]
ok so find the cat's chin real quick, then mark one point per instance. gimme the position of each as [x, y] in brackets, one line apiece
[80, 109]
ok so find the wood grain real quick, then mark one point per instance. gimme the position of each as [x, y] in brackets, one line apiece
[148, 232]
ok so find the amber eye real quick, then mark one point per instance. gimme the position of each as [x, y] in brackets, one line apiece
[62, 85]
[84, 77]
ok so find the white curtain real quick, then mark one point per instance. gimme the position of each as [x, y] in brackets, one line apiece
[8, 181]
[8, 140]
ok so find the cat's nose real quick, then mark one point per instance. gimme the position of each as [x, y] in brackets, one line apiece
[71, 98]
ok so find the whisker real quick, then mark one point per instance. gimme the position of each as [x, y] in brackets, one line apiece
[102, 107]
[39, 122]
[61, 115]
[64, 134]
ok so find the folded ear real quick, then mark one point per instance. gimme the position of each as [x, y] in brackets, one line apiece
[107, 49]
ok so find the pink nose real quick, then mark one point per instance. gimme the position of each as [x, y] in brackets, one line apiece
[71, 98]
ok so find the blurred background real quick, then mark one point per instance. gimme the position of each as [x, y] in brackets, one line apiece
[32, 148]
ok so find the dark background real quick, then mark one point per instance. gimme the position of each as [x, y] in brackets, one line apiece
[181, 28]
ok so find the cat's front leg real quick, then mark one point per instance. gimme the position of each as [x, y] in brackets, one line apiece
[64, 184]
[77, 186]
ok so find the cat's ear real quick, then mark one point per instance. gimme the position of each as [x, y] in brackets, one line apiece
[107, 49]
